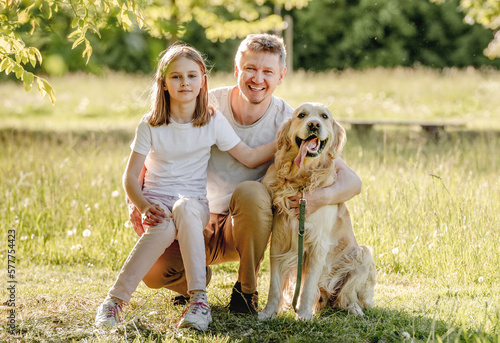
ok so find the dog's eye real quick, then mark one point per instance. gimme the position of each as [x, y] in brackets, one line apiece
[301, 115]
[324, 116]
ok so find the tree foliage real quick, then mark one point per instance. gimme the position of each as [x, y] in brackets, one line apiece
[486, 13]
[24, 24]
[128, 34]
[386, 33]
[18, 17]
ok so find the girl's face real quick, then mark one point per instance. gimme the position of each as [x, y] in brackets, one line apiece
[183, 80]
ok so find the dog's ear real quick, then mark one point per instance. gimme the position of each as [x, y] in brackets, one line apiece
[283, 140]
[340, 137]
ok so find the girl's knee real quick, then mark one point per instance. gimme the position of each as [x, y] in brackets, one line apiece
[164, 231]
[182, 205]
[191, 209]
[188, 206]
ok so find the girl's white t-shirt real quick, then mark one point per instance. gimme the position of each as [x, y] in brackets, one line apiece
[178, 154]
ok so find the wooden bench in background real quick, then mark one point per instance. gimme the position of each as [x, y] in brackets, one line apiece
[434, 129]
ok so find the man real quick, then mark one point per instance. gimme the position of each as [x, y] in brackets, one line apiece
[241, 212]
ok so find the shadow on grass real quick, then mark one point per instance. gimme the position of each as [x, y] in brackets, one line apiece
[365, 138]
[12, 135]
[411, 134]
[330, 325]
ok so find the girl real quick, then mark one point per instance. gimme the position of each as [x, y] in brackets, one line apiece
[174, 142]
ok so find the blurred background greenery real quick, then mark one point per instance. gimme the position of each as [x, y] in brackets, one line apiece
[325, 34]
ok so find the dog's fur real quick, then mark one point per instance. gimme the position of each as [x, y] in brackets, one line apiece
[337, 271]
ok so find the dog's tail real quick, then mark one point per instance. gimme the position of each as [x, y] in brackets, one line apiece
[351, 282]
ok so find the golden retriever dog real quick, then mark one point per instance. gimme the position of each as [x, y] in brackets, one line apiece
[337, 271]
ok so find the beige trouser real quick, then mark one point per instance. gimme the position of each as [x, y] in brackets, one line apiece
[243, 235]
[188, 218]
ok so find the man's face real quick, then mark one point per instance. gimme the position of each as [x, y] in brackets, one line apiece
[258, 74]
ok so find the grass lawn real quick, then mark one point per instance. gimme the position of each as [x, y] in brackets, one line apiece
[429, 209]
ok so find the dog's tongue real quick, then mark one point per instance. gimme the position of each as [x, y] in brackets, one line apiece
[305, 146]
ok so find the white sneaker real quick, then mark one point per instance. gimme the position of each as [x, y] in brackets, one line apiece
[197, 314]
[108, 314]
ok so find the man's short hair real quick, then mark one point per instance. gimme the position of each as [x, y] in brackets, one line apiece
[263, 42]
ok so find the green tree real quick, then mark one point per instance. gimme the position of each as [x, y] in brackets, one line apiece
[25, 23]
[386, 33]
[486, 13]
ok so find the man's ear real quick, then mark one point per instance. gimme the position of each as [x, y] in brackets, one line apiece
[236, 70]
[282, 75]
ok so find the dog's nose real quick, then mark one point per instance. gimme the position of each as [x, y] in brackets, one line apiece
[314, 125]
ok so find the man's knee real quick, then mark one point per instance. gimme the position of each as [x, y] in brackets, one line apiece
[251, 213]
[163, 275]
[252, 196]
[154, 281]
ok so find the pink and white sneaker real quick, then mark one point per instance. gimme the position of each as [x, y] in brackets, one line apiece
[108, 314]
[197, 313]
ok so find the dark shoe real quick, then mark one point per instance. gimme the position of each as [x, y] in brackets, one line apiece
[243, 303]
[179, 300]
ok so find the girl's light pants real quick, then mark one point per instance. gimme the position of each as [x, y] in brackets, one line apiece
[242, 235]
[186, 219]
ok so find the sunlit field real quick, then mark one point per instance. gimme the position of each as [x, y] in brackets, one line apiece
[430, 209]
[118, 101]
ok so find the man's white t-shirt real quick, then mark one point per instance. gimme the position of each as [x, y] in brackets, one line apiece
[224, 171]
[177, 154]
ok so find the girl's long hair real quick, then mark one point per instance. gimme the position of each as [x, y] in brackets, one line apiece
[160, 104]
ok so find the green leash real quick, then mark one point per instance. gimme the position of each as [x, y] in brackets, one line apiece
[302, 216]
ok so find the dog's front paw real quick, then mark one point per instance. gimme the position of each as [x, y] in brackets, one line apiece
[266, 314]
[355, 310]
[304, 315]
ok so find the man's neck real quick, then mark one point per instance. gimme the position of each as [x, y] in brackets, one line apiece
[244, 112]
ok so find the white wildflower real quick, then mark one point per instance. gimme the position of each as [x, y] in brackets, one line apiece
[395, 251]
[115, 194]
[86, 233]
[481, 279]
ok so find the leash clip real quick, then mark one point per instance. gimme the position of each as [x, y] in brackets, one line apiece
[303, 200]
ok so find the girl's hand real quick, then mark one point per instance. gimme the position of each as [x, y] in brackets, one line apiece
[153, 215]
